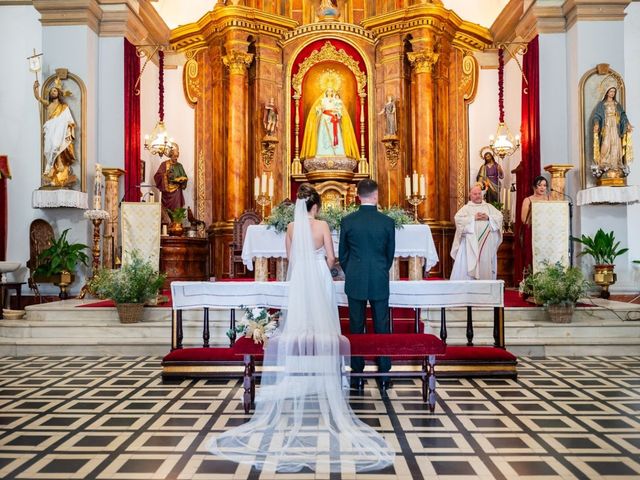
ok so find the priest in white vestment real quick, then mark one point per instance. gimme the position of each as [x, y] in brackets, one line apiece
[478, 236]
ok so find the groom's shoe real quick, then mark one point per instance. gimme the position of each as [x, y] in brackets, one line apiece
[357, 383]
[384, 384]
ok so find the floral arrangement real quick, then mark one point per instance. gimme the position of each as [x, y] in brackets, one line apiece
[136, 282]
[399, 215]
[256, 323]
[556, 284]
[281, 216]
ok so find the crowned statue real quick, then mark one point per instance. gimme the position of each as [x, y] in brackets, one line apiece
[329, 132]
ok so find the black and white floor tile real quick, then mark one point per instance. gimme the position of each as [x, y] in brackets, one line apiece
[113, 418]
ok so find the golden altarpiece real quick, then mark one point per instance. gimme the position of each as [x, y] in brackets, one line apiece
[304, 58]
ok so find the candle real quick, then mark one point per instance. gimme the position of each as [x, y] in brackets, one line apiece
[407, 186]
[423, 186]
[97, 188]
[414, 186]
[271, 185]
[256, 187]
[263, 185]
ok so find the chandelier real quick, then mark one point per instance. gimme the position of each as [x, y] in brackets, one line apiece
[158, 142]
[503, 143]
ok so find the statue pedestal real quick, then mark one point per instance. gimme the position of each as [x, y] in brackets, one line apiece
[59, 198]
[558, 173]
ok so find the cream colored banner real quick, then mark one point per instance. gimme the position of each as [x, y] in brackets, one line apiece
[550, 228]
[141, 231]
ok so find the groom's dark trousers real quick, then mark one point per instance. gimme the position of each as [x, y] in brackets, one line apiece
[367, 246]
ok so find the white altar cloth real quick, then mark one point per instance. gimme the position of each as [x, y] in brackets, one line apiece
[411, 241]
[408, 294]
[630, 194]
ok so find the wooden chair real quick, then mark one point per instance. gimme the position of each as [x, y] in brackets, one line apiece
[240, 225]
[40, 238]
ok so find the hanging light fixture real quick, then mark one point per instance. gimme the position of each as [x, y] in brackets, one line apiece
[503, 143]
[158, 142]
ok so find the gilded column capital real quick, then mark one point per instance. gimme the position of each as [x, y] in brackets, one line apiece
[423, 61]
[237, 61]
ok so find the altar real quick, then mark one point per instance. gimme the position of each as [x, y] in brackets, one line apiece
[414, 242]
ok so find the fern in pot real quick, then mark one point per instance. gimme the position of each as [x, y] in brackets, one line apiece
[130, 287]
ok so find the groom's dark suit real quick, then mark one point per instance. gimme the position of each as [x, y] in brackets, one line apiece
[367, 246]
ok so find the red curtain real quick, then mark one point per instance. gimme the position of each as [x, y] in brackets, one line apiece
[4, 209]
[529, 167]
[132, 161]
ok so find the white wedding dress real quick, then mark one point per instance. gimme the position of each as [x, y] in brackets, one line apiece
[302, 416]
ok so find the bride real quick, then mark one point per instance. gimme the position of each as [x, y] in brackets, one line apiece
[302, 416]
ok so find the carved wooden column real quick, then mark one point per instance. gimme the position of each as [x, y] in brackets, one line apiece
[111, 230]
[423, 60]
[443, 168]
[237, 60]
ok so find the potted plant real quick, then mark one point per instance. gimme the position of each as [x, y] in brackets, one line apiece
[604, 250]
[177, 216]
[57, 264]
[130, 287]
[558, 288]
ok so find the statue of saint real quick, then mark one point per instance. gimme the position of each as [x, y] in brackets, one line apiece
[270, 118]
[328, 130]
[59, 134]
[171, 179]
[489, 176]
[389, 112]
[611, 134]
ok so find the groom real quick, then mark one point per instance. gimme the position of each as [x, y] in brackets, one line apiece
[367, 246]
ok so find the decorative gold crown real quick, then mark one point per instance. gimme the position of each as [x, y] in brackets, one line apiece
[330, 79]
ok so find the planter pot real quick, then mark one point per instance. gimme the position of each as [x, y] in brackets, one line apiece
[130, 312]
[603, 276]
[560, 313]
[60, 280]
[176, 229]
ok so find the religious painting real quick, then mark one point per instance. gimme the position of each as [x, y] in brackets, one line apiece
[329, 99]
[605, 137]
[62, 114]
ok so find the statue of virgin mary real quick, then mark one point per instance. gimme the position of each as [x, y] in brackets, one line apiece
[328, 130]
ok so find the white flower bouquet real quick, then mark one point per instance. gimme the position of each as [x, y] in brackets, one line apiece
[256, 323]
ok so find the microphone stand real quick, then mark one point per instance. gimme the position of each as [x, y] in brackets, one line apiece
[570, 225]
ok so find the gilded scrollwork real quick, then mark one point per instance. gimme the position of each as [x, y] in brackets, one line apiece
[329, 52]
[190, 79]
[201, 186]
[469, 80]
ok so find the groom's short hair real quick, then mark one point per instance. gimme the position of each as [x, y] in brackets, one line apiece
[366, 187]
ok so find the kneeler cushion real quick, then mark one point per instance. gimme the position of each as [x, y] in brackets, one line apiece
[202, 354]
[397, 344]
[483, 353]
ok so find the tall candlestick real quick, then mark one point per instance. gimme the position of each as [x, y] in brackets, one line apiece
[423, 186]
[407, 186]
[414, 185]
[271, 185]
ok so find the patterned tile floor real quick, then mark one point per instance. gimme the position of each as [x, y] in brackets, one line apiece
[113, 418]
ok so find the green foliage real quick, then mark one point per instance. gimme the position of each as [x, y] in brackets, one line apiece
[334, 215]
[61, 256]
[556, 285]
[136, 282]
[601, 247]
[399, 215]
[257, 323]
[281, 216]
[498, 205]
[177, 215]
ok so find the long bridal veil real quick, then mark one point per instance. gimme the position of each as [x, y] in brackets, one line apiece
[302, 416]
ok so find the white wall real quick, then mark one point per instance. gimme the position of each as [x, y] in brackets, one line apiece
[179, 119]
[20, 123]
[483, 117]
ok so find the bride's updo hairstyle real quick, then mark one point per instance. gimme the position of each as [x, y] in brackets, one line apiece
[310, 194]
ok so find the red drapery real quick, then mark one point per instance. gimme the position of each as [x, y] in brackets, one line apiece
[529, 167]
[4, 209]
[132, 160]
